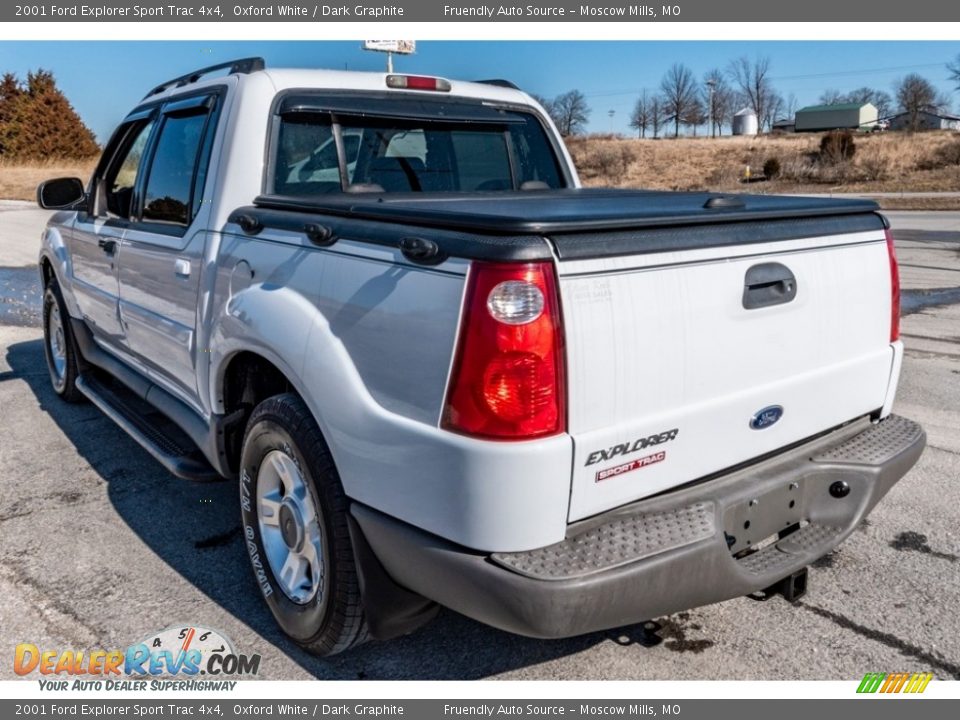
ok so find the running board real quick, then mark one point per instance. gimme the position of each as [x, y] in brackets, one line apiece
[210, 434]
[151, 429]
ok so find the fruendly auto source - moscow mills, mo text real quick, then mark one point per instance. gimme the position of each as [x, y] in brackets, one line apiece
[548, 11]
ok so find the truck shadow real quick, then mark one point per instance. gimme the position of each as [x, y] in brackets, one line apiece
[195, 529]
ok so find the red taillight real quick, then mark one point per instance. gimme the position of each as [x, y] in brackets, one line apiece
[508, 373]
[417, 82]
[894, 290]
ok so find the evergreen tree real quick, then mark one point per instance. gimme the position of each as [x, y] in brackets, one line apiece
[9, 96]
[37, 122]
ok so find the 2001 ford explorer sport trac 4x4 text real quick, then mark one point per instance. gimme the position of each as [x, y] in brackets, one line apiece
[442, 373]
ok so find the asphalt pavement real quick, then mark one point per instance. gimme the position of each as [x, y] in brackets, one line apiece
[99, 546]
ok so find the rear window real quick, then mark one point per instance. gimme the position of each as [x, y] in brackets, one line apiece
[411, 155]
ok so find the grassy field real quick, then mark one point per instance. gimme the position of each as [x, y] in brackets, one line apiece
[18, 181]
[888, 162]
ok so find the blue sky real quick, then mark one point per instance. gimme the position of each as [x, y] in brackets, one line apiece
[105, 79]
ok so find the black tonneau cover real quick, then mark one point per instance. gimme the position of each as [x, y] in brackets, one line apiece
[560, 211]
[580, 224]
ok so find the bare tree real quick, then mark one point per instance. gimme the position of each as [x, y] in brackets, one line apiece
[954, 69]
[942, 102]
[915, 94]
[883, 103]
[550, 106]
[790, 109]
[878, 98]
[546, 103]
[719, 99]
[695, 115]
[679, 91]
[831, 96]
[570, 112]
[773, 111]
[640, 117]
[724, 108]
[753, 81]
[725, 105]
[657, 115]
[860, 95]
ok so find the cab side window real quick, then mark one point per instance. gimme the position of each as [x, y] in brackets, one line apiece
[121, 176]
[168, 195]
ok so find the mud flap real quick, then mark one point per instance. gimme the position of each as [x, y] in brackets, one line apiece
[391, 610]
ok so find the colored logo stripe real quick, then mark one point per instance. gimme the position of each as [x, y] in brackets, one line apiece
[918, 683]
[894, 682]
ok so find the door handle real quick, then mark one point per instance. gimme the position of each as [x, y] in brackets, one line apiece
[108, 246]
[181, 267]
[768, 284]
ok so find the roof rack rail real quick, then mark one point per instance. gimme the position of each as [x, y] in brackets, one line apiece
[498, 83]
[243, 66]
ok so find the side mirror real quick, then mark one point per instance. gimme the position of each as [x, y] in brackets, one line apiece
[60, 193]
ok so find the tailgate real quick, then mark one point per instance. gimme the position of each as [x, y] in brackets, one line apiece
[685, 362]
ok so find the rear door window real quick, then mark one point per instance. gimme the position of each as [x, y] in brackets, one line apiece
[168, 195]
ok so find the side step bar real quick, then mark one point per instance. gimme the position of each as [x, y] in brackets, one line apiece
[179, 456]
[142, 401]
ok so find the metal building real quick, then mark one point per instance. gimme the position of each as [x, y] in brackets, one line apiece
[849, 116]
[745, 122]
[926, 120]
[784, 126]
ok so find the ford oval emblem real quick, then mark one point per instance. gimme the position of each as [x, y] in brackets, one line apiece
[765, 418]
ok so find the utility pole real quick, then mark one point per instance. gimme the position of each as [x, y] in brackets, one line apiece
[711, 84]
[611, 113]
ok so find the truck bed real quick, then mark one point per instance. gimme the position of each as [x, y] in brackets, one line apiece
[561, 211]
[581, 223]
[663, 339]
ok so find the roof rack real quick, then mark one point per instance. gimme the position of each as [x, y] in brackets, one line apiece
[498, 83]
[243, 66]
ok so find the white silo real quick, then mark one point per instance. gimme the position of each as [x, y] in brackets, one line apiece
[745, 122]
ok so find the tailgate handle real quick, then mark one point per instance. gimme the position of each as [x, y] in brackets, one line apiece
[768, 284]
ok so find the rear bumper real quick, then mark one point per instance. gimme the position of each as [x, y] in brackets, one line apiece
[667, 553]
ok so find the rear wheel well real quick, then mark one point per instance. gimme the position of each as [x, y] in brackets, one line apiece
[249, 380]
[46, 269]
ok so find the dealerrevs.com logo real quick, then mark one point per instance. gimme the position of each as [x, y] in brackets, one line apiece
[172, 659]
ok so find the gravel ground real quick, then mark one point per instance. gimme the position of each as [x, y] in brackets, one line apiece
[100, 545]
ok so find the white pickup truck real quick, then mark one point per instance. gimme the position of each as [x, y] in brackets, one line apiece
[442, 373]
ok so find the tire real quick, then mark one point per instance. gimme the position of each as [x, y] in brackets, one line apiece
[59, 347]
[295, 528]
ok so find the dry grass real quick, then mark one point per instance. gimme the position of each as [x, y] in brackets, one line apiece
[888, 162]
[949, 202]
[18, 181]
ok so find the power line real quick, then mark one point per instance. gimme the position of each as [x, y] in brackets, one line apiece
[873, 71]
